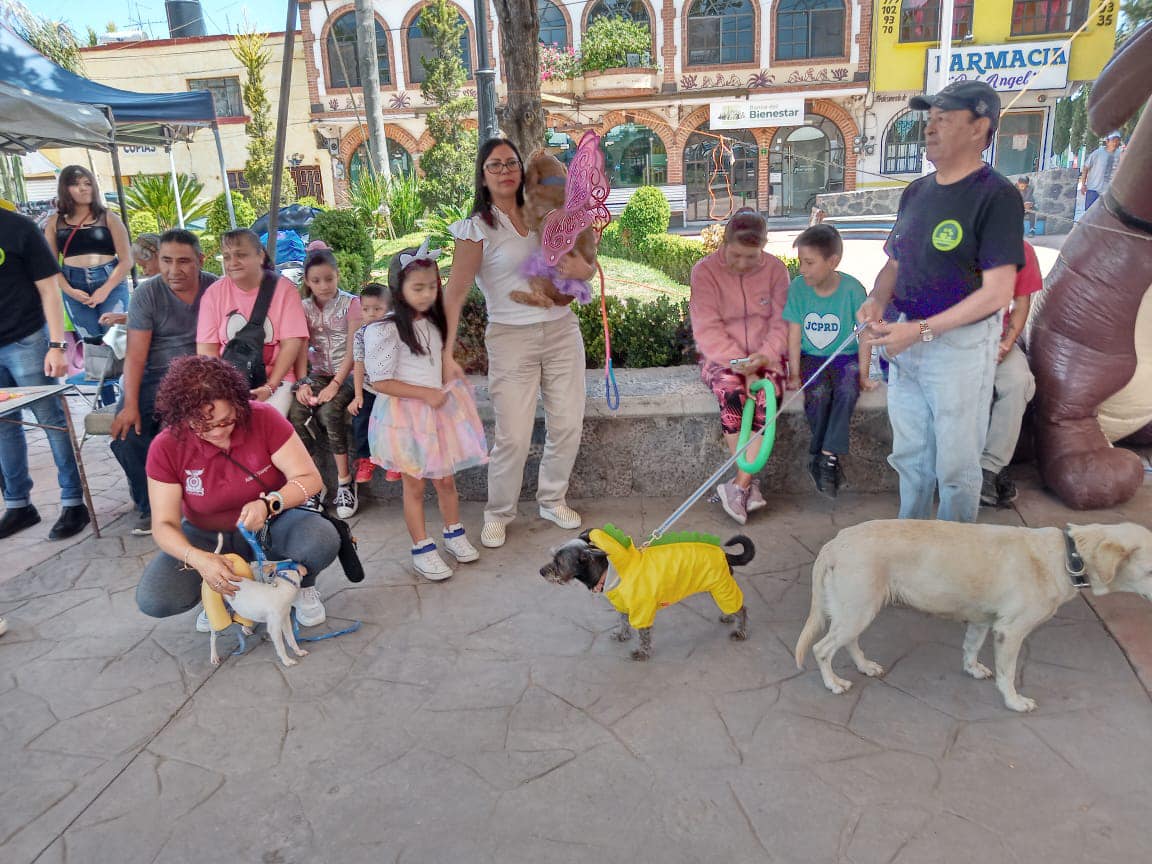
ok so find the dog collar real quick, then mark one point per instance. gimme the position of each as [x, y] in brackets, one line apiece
[1073, 562]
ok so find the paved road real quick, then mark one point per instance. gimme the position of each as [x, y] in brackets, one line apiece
[492, 719]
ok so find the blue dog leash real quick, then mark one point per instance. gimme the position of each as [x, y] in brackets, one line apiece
[258, 551]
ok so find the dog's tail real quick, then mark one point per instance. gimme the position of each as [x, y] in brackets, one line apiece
[815, 620]
[747, 551]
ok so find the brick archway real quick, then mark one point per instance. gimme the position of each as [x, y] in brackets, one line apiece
[660, 128]
[839, 115]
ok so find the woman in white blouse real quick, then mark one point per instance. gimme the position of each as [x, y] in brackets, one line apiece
[531, 350]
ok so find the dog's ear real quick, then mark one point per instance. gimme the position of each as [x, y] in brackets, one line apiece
[596, 553]
[586, 536]
[1103, 554]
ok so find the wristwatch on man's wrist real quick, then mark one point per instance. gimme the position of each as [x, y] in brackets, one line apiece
[926, 334]
[61, 346]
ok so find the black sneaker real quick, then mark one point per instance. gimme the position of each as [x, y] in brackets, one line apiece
[1005, 489]
[828, 475]
[17, 519]
[315, 503]
[989, 493]
[142, 527]
[72, 521]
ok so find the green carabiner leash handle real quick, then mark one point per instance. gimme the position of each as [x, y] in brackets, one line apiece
[769, 437]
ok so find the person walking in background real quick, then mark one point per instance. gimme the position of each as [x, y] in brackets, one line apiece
[1099, 168]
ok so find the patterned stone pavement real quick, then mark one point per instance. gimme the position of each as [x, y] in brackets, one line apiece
[492, 719]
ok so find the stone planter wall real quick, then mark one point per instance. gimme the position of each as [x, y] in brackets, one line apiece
[862, 202]
[1055, 193]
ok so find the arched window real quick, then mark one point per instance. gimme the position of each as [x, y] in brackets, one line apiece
[809, 28]
[904, 144]
[720, 31]
[633, 10]
[399, 160]
[1048, 16]
[635, 156]
[344, 53]
[920, 20]
[420, 45]
[809, 160]
[553, 27]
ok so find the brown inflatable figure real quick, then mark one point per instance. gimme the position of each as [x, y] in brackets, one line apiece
[1083, 343]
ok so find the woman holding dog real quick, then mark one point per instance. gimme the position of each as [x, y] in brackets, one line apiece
[531, 349]
[220, 461]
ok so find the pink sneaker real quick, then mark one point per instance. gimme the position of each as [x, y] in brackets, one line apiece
[364, 470]
[734, 500]
[392, 476]
[755, 498]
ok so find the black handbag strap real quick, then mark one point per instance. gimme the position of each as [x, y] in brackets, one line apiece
[247, 470]
[263, 301]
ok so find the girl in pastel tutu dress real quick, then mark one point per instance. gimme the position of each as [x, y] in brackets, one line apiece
[422, 426]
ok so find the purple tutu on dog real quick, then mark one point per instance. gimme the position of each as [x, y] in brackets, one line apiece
[537, 266]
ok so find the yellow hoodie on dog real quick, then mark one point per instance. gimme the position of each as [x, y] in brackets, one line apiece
[665, 573]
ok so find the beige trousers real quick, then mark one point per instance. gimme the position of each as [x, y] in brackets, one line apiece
[526, 361]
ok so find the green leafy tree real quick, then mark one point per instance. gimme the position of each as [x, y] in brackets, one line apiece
[609, 40]
[52, 38]
[1133, 13]
[1079, 124]
[218, 213]
[450, 162]
[1062, 127]
[252, 52]
[153, 193]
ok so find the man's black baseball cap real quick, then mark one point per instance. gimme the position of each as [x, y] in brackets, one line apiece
[974, 96]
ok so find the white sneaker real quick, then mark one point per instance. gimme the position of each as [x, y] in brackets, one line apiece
[3, 626]
[428, 562]
[309, 609]
[346, 501]
[493, 535]
[456, 544]
[562, 515]
[202, 625]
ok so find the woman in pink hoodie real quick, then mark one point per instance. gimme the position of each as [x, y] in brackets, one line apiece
[737, 305]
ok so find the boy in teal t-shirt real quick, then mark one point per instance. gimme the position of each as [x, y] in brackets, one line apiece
[821, 312]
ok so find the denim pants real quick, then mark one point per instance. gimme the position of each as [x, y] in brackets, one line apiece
[132, 452]
[830, 400]
[307, 538]
[360, 425]
[86, 319]
[22, 365]
[939, 396]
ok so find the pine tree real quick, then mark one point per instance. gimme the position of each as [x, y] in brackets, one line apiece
[449, 163]
[1062, 128]
[254, 56]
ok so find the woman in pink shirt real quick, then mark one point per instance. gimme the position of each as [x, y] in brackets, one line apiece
[227, 305]
[737, 305]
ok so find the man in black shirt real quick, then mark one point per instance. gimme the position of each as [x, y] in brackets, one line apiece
[32, 354]
[952, 261]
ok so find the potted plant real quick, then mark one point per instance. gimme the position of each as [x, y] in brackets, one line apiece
[618, 52]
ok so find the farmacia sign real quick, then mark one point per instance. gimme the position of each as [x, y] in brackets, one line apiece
[1036, 65]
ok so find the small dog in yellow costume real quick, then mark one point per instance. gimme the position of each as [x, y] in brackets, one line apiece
[638, 581]
[255, 602]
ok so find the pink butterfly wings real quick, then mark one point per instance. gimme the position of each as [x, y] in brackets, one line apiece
[584, 195]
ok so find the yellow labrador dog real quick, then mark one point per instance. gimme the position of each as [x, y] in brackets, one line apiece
[1007, 580]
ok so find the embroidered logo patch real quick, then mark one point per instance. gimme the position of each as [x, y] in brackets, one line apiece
[947, 235]
[193, 482]
[3, 256]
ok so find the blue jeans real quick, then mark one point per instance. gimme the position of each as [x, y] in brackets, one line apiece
[132, 452]
[830, 400]
[86, 319]
[1090, 196]
[22, 365]
[307, 538]
[360, 425]
[939, 399]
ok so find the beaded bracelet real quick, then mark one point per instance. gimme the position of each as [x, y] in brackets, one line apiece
[302, 488]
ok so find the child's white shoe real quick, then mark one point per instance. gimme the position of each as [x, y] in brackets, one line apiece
[428, 562]
[456, 544]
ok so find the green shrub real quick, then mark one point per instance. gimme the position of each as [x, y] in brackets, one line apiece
[712, 236]
[218, 213]
[609, 40]
[644, 333]
[310, 201]
[435, 225]
[353, 273]
[210, 246]
[142, 222]
[647, 212]
[611, 243]
[671, 254]
[405, 206]
[341, 230]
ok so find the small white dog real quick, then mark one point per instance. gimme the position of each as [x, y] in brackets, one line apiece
[269, 604]
[1003, 579]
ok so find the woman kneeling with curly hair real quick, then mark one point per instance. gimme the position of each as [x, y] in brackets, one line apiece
[223, 460]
